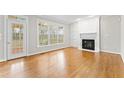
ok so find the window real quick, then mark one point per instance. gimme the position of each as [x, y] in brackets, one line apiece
[43, 33]
[53, 34]
[60, 34]
[50, 33]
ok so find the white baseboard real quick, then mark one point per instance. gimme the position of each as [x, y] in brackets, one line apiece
[30, 54]
[3, 60]
[110, 52]
[122, 57]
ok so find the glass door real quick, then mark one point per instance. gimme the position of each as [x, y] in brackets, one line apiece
[16, 39]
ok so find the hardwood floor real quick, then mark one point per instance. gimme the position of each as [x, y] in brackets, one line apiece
[69, 62]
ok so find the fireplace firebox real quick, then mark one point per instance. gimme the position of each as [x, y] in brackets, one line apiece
[88, 44]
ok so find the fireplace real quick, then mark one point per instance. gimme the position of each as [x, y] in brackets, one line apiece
[88, 44]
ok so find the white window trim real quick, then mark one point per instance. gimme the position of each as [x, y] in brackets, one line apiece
[39, 46]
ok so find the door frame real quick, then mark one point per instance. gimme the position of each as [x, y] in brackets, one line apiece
[6, 36]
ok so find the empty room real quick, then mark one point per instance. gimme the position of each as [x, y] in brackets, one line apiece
[62, 46]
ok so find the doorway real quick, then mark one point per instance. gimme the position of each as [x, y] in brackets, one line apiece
[16, 36]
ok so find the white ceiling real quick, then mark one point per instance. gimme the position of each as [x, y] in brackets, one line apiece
[67, 19]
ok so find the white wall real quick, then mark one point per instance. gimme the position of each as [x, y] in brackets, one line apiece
[1, 38]
[32, 44]
[89, 25]
[122, 37]
[111, 33]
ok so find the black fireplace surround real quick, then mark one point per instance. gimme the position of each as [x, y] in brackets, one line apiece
[88, 44]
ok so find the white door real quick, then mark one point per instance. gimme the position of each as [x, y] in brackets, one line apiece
[17, 29]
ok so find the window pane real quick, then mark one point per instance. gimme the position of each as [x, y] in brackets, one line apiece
[60, 39]
[17, 38]
[43, 34]
[53, 38]
[53, 34]
[60, 34]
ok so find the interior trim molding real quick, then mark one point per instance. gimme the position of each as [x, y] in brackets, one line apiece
[122, 57]
[110, 52]
[30, 54]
